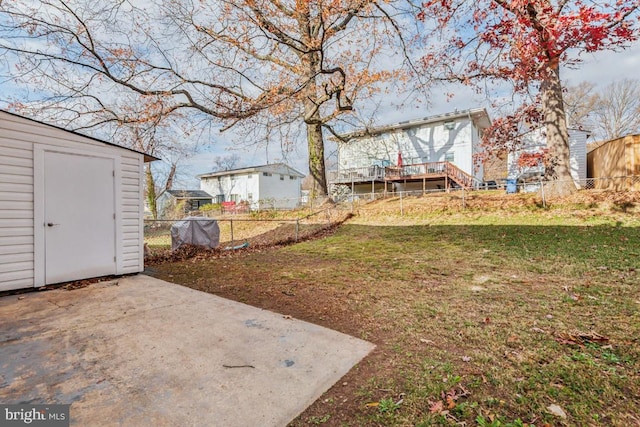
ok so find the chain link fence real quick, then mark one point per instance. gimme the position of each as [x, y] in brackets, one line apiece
[256, 229]
[494, 194]
[273, 227]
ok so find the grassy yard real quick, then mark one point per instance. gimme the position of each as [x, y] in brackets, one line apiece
[499, 318]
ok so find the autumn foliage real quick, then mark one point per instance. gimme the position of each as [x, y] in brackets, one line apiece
[519, 40]
[281, 71]
[525, 42]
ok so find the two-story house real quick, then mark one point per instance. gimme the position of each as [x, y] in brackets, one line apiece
[267, 186]
[430, 153]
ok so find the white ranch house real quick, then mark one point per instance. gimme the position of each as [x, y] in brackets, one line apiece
[70, 206]
[267, 186]
[426, 154]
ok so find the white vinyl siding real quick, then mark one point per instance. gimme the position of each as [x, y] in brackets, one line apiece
[274, 187]
[18, 137]
[132, 212]
[16, 212]
[578, 154]
[426, 143]
[536, 141]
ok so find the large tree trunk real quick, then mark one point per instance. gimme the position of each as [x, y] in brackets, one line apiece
[317, 169]
[151, 191]
[557, 162]
[312, 115]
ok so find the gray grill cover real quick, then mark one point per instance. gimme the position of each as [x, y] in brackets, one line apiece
[195, 230]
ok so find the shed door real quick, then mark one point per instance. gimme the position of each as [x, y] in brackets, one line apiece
[79, 205]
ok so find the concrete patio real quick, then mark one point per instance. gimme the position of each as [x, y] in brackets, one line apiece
[141, 351]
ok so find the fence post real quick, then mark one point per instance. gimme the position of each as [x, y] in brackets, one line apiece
[231, 221]
[464, 204]
[401, 205]
[544, 201]
[297, 227]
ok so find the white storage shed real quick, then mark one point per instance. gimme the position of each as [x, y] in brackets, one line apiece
[71, 206]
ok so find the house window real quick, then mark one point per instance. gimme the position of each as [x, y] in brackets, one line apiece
[449, 157]
[234, 198]
[266, 173]
[233, 177]
[281, 177]
[219, 198]
[249, 176]
[249, 196]
[292, 177]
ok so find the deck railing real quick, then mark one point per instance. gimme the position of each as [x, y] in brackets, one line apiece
[414, 171]
[422, 169]
[366, 174]
[431, 170]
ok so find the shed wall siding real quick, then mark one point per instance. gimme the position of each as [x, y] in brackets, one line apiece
[18, 136]
[16, 211]
[132, 231]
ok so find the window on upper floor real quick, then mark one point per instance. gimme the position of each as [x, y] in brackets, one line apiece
[449, 157]
[281, 177]
[266, 173]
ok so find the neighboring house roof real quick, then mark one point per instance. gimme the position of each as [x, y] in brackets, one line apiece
[190, 194]
[478, 115]
[147, 157]
[273, 168]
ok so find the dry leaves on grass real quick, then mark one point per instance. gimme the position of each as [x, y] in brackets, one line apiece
[272, 239]
[580, 338]
[448, 400]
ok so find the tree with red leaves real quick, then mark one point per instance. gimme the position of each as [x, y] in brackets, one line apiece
[526, 42]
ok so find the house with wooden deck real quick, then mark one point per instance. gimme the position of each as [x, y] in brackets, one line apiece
[432, 153]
